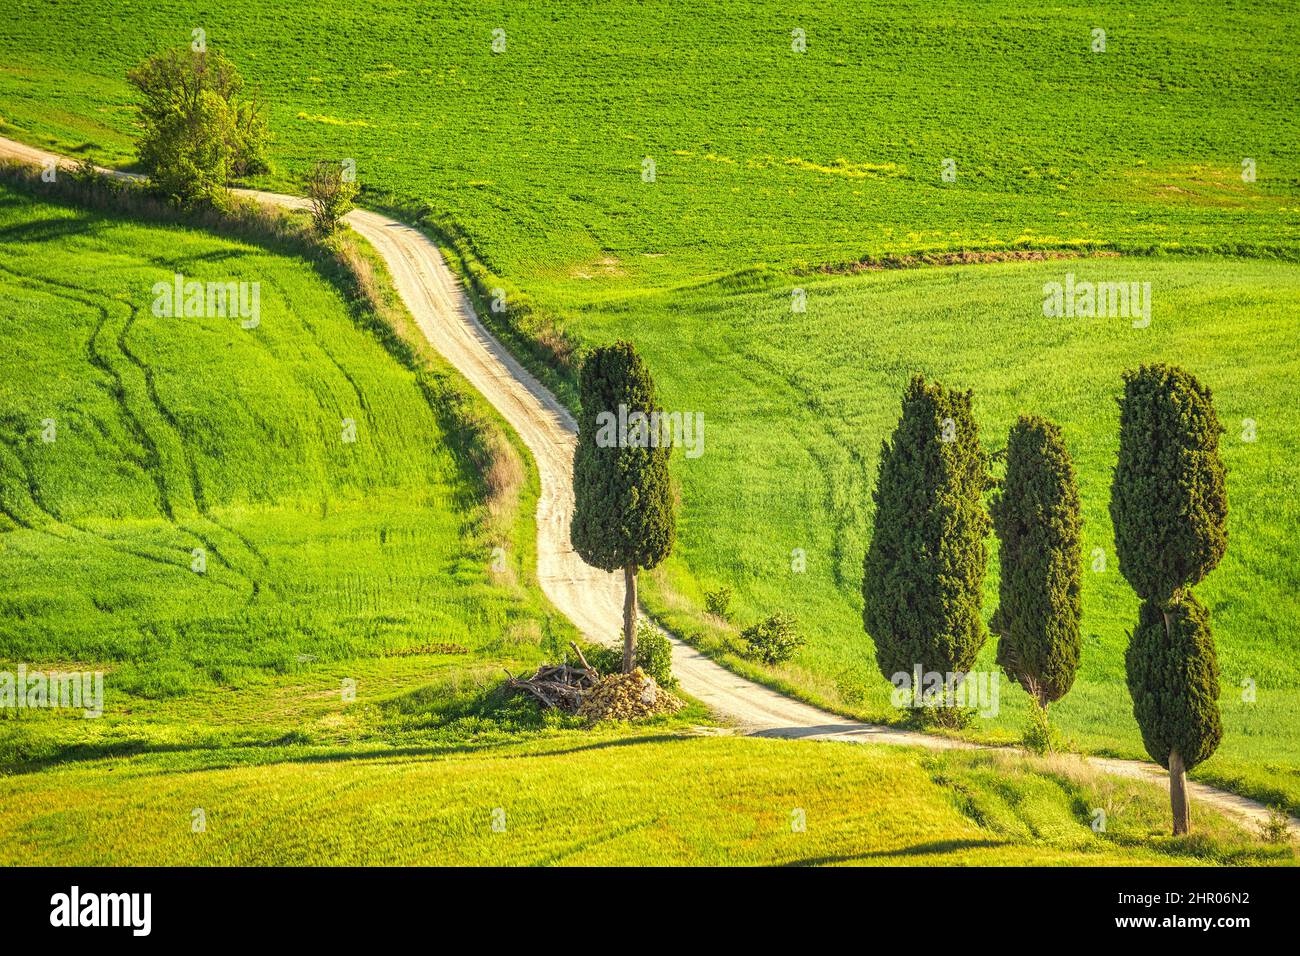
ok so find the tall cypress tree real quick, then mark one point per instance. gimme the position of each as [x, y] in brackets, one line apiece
[623, 516]
[1169, 505]
[923, 575]
[1037, 520]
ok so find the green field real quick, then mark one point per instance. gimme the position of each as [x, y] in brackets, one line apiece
[173, 436]
[238, 713]
[762, 154]
[796, 406]
[604, 799]
[769, 165]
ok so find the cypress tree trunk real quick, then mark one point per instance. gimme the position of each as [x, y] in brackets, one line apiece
[1178, 795]
[629, 617]
[1177, 772]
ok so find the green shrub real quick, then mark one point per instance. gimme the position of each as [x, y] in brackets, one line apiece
[774, 640]
[929, 716]
[718, 602]
[332, 194]
[606, 660]
[654, 655]
[1277, 828]
[1040, 737]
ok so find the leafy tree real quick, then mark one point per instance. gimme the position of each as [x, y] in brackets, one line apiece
[623, 505]
[1169, 505]
[331, 194]
[198, 131]
[924, 570]
[1038, 524]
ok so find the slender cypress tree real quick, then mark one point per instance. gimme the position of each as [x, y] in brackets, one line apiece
[1169, 505]
[924, 570]
[1036, 517]
[623, 516]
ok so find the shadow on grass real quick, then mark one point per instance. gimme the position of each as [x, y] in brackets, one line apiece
[49, 230]
[118, 749]
[920, 849]
[322, 754]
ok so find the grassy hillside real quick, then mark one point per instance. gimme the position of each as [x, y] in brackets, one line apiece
[176, 436]
[530, 162]
[412, 771]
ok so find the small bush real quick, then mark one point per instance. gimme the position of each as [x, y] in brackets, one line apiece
[929, 716]
[654, 655]
[606, 660]
[1040, 737]
[1277, 828]
[87, 174]
[718, 603]
[774, 640]
[332, 193]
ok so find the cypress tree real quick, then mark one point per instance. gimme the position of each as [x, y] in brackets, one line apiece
[923, 574]
[1038, 524]
[1169, 505]
[623, 516]
[1168, 499]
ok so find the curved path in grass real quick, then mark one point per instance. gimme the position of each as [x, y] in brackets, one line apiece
[593, 599]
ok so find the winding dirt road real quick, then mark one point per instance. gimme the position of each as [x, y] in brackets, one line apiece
[593, 599]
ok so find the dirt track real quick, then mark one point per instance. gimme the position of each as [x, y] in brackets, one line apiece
[592, 599]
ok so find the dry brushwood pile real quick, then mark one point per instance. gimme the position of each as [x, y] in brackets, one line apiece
[582, 691]
[557, 685]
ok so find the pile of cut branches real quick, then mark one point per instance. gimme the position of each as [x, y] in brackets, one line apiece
[561, 686]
